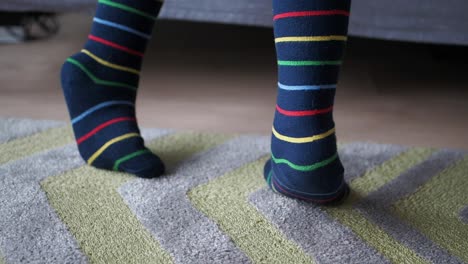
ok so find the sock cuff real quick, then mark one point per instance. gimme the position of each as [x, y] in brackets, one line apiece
[148, 9]
[281, 7]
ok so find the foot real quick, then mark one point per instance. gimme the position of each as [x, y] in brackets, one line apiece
[332, 198]
[101, 102]
[310, 37]
[100, 85]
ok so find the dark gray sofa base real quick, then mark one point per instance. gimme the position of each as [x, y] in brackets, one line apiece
[430, 21]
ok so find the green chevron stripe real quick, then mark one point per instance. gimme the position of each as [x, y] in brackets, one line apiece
[107, 231]
[176, 148]
[391, 169]
[87, 201]
[225, 200]
[448, 193]
[361, 187]
[48, 139]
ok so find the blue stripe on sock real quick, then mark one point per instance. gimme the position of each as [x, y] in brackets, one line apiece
[99, 106]
[306, 87]
[121, 27]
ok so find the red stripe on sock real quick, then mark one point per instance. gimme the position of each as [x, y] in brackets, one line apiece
[102, 126]
[115, 45]
[304, 113]
[312, 13]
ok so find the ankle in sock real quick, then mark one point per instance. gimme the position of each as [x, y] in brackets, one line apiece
[310, 36]
[100, 86]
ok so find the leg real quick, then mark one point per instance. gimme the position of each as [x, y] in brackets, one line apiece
[310, 37]
[100, 87]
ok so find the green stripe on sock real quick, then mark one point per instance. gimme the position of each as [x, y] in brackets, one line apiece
[88, 202]
[448, 193]
[96, 80]
[48, 139]
[127, 8]
[307, 63]
[129, 157]
[306, 167]
[367, 183]
[225, 200]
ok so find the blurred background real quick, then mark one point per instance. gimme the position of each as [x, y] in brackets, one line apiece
[211, 66]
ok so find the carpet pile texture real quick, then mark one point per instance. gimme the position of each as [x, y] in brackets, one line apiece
[408, 205]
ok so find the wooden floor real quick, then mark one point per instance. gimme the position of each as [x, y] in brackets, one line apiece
[222, 78]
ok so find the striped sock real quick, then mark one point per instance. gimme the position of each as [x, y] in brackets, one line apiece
[100, 86]
[310, 36]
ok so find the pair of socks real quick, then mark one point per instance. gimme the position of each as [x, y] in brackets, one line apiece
[100, 85]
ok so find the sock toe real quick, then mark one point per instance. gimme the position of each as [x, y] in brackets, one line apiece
[267, 170]
[145, 166]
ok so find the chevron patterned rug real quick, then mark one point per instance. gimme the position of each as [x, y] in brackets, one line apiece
[408, 205]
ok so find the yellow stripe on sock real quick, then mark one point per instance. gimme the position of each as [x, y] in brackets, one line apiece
[109, 64]
[108, 144]
[304, 139]
[311, 38]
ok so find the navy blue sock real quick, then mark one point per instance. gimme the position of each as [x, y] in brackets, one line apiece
[100, 87]
[310, 37]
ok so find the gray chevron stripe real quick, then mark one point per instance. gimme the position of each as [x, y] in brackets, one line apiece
[464, 215]
[376, 206]
[30, 230]
[360, 157]
[13, 128]
[163, 207]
